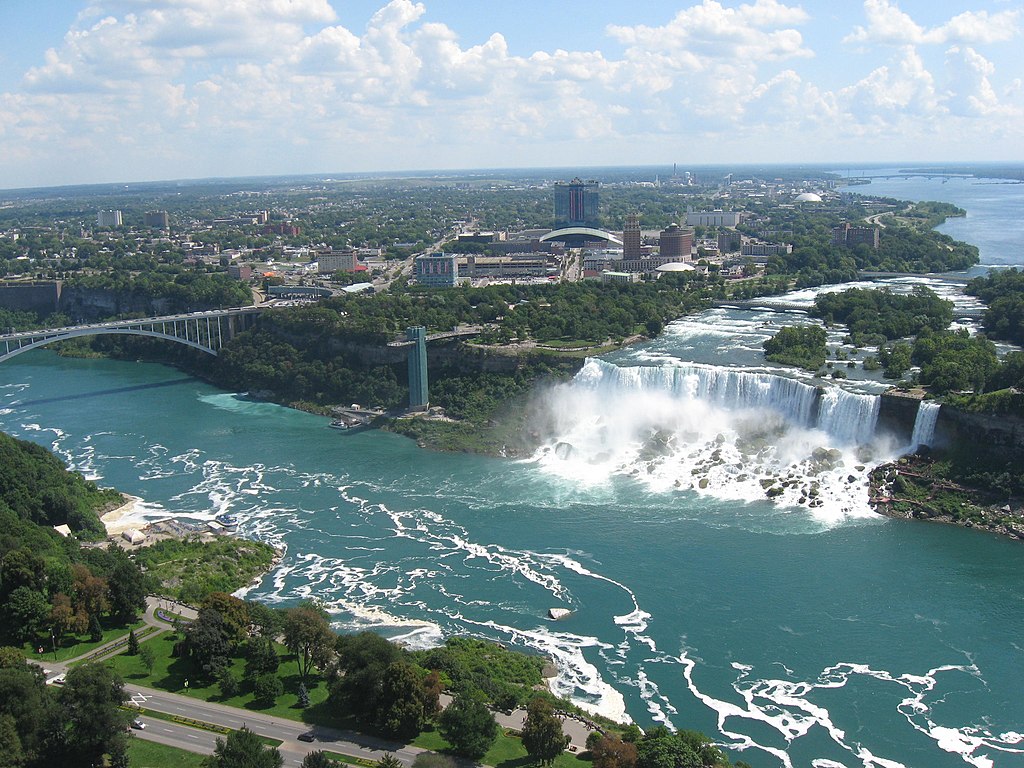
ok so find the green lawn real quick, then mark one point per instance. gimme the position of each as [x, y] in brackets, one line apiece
[149, 754]
[72, 646]
[171, 674]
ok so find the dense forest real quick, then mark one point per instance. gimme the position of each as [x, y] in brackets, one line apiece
[37, 486]
[1003, 292]
[876, 316]
[799, 345]
[299, 353]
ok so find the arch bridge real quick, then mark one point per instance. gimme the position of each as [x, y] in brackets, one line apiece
[206, 331]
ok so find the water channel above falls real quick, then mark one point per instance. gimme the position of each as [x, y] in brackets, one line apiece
[805, 635]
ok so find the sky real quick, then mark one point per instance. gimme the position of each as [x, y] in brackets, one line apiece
[95, 91]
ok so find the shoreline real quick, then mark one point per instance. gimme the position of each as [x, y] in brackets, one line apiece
[898, 488]
[113, 520]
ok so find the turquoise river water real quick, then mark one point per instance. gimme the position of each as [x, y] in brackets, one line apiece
[804, 631]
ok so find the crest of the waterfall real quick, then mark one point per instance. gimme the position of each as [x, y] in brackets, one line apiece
[924, 424]
[848, 416]
[725, 388]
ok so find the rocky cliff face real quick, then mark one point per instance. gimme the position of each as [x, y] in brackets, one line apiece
[954, 427]
[897, 413]
[988, 432]
[93, 304]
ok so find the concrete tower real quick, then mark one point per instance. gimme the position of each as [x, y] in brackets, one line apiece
[419, 397]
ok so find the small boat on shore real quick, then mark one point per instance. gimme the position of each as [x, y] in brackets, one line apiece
[349, 423]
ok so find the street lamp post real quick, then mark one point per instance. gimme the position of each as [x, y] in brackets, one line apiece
[53, 644]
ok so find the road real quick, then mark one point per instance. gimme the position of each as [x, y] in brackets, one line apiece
[287, 731]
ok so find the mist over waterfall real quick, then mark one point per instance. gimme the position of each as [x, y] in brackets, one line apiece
[721, 431]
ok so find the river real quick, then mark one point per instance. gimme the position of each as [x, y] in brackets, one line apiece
[804, 631]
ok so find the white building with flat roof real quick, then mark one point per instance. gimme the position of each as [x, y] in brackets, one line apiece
[712, 218]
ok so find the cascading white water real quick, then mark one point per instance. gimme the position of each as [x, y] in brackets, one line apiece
[725, 432]
[724, 387]
[847, 416]
[924, 424]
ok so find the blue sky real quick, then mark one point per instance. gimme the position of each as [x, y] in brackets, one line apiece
[126, 90]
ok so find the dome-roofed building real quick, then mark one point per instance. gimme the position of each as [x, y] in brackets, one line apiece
[808, 197]
[675, 266]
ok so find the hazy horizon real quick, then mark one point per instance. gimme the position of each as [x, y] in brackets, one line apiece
[100, 91]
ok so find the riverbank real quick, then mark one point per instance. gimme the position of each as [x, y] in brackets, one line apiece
[918, 487]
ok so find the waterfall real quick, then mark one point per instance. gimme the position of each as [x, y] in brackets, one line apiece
[924, 424]
[847, 416]
[724, 387]
[714, 430]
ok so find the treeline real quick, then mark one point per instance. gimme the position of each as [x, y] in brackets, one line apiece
[902, 248]
[1003, 292]
[799, 345]
[173, 290]
[876, 316]
[36, 485]
[585, 311]
[50, 587]
[910, 330]
[954, 361]
[82, 723]
[299, 353]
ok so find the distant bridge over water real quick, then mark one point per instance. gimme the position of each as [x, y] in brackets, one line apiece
[206, 331]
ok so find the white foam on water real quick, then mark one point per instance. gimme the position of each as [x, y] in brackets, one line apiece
[577, 679]
[734, 435]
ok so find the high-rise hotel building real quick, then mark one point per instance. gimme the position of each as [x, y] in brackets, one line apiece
[576, 204]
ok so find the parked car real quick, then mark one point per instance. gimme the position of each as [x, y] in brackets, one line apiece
[138, 725]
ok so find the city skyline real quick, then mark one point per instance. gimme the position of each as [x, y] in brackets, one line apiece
[133, 90]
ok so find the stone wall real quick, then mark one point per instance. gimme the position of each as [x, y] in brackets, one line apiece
[36, 296]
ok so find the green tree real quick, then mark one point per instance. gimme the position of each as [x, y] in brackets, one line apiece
[613, 752]
[11, 753]
[228, 683]
[895, 359]
[661, 748]
[318, 759]
[361, 661]
[92, 721]
[95, 630]
[133, 643]
[208, 643]
[389, 761]
[243, 749]
[267, 688]
[400, 706]
[126, 586]
[542, 733]
[148, 657]
[308, 635]
[26, 611]
[262, 657]
[468, 725]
